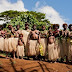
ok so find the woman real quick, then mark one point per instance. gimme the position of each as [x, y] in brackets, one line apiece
[25, 36]
[43, 42]
[70, 43]
[33, 42]
[1, 38]
[64, 42]
[57, 34]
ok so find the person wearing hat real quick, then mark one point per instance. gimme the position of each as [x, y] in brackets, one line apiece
[70, 43]
[33, 42]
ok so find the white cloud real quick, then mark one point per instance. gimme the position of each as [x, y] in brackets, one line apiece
[51, 14]
[7, 5]
[37, 4]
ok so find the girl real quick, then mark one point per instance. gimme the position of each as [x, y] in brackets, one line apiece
[20, 47]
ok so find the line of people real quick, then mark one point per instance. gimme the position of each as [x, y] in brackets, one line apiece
[51, 44]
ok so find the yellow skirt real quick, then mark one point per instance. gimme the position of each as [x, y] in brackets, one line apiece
[70, 50]
[44, 45]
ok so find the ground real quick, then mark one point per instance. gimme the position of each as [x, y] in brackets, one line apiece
[22, 65]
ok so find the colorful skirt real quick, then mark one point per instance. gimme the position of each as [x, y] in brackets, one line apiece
[43, 46]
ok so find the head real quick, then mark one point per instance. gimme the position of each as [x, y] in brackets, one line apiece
[18, 26]
[49, 28]
[5, 30]
[65, 26]
[34, 27]
[56, 26]
[1, 27]
[26, 26]
[9, 27]
[50, 33]
[70, 27]
[43, 27]
[20, 36]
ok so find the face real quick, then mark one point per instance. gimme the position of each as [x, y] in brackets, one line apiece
[51, 33]
[43, 28]
[21, 37]
[9, 27]
[50, 28]
[18, 27]
[0, 28]
[65, 26]
[56, 27]
[71, 28]
[26, 26]
[34, 27]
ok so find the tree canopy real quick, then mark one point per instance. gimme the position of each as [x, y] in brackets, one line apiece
[20, 18]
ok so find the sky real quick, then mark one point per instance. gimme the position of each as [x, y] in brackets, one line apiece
[57, 11]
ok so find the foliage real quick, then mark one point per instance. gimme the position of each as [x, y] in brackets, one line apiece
[31, 17]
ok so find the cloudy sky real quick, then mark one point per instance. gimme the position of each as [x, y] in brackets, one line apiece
[57, 11]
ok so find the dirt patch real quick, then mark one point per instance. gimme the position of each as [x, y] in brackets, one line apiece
[18, 65]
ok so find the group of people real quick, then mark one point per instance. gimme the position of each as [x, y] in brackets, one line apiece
[51, 44]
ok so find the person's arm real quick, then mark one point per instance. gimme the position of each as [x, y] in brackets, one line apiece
[54, 44]
[28, 39]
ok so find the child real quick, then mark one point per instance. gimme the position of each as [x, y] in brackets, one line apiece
[20, 47]
[52, 50]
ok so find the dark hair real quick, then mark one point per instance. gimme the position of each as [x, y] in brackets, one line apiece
[17, 25]
[64, 24]
[26, 24]
[49, 27]
[55, 25]
[33, 25]
[20, 35]
[70, 25]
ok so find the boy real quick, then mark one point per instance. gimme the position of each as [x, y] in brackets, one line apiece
[20, 47]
